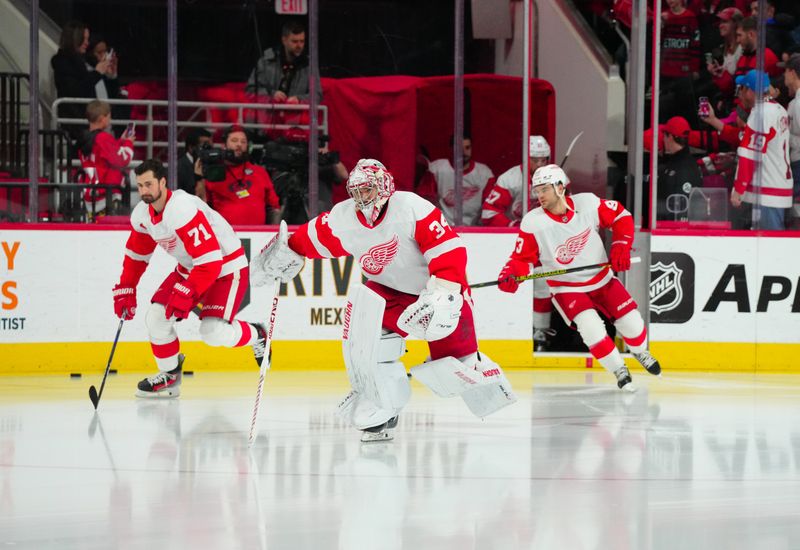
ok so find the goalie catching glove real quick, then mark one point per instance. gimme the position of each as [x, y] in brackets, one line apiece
[276, 260]
[436, 312]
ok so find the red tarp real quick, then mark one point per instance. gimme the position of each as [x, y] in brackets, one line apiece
[390, 118]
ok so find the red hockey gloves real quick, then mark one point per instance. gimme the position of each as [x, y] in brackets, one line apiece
[507, 280]
[181, 301]
[124, 302]
[620, 257]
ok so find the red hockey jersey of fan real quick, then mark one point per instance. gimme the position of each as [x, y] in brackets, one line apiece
[106, 163]
[200, 240]
[680, 44]
[409, 242]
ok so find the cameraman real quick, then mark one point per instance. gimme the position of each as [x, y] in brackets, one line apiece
[287, 162]
[245, 194]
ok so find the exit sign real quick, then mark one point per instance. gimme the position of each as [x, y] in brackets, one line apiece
[291, 7]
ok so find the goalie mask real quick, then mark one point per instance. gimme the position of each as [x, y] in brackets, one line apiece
[370, 185]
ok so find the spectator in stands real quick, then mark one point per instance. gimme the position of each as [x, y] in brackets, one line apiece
[104, 160]
[778, 29]
[245, 196]
[73, 77]
[282, 73]
[439, 182]
[108, 87]
[196, 138]
[747, 36]
[731, 50]
[680, 58]
[792, 79]
[678, 172]
[762, 191]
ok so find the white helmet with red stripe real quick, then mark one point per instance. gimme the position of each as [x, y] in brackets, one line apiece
[370, 185]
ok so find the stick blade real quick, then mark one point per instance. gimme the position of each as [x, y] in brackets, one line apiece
[93, 396]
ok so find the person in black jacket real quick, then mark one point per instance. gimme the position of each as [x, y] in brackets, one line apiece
[74, 78]
[678, 172]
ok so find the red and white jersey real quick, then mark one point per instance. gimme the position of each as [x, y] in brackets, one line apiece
[200, 240]
[410, 241]
[573, 240]
[503, 205]
[476, 177]
[765, 149]
[106, 163]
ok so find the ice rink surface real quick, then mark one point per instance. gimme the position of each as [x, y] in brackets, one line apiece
[690, 461]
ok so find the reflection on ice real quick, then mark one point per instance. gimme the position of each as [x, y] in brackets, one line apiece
[699, 462]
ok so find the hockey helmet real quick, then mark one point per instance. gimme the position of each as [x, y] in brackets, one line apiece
[551, 174]
[538, 147]
[370, 174]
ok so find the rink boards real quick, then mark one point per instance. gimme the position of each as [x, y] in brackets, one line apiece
[721, 303]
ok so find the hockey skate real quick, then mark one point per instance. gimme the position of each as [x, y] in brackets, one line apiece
[624, 380]
[260, 345]
[649, 362]
[165, 384]
[541, 338]
[381, 432]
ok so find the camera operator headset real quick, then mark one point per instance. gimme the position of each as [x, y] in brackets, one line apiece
[241, 191]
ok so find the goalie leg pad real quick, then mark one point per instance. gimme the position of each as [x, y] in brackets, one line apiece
[379, 381]
[481, 384]
[494, 394]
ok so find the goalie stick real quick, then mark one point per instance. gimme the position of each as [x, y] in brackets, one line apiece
[553, 273]
[93, 394]
[265, 364]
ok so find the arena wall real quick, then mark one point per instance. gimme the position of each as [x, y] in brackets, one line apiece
[720, 303]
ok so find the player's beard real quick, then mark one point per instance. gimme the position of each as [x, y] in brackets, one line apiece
[150, 199]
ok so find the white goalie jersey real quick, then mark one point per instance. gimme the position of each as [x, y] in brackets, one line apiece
[409, 242]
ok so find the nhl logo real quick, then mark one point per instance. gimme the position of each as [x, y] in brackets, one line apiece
[665, 287]
[671, 287]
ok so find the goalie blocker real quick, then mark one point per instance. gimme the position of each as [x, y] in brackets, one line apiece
[380, 385]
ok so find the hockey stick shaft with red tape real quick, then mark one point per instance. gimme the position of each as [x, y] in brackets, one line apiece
[553, 273]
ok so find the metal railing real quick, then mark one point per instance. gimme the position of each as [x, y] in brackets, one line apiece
[245, 115]
[60, 202]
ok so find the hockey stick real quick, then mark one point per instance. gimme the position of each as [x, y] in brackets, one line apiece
[93, 395]
[265, 364]
[553, 273]
[569, 149]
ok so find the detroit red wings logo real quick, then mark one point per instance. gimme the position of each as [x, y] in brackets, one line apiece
[467, 191]
[566, 252]
[379, 256]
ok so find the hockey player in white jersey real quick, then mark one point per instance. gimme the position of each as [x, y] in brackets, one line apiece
[564, 233]
[415, 265]
[212, 269]
[503, 208]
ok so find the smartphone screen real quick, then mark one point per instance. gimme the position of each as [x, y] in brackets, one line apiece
[130, 129]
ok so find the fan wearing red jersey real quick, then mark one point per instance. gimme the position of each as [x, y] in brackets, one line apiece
[415, 265]
[212, 271]
[564, 233]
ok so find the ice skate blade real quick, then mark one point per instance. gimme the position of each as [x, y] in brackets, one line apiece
[629, 387]
[373, 437]
[164, 394]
